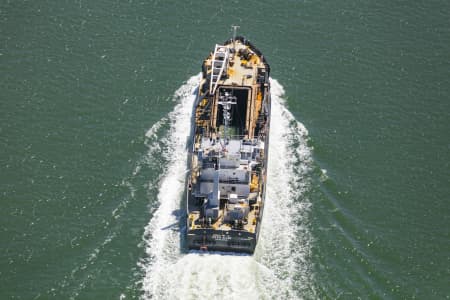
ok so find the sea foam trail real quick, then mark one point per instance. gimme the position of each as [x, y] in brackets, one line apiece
[279, 268]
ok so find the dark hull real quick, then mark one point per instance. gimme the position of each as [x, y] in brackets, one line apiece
[221, 234]
[217, 240]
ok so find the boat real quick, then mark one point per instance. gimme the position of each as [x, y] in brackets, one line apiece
[227, 177]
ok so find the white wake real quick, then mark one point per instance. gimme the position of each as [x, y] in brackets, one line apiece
[280, 268]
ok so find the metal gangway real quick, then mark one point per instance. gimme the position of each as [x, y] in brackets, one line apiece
[219, 66]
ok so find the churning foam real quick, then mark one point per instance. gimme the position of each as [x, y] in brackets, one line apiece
[279, 268]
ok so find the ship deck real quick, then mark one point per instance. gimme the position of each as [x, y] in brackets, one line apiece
[241, 72]
[226, 184]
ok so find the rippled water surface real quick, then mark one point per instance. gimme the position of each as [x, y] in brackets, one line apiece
[95, 104]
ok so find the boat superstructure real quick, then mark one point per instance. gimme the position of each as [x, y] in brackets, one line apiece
[226, 183]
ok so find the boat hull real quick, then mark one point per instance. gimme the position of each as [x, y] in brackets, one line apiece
[228, 150]
[217, 240]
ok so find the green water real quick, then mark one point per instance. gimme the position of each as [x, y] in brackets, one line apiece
[82, 82]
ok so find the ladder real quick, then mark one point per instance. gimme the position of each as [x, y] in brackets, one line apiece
[218, 66]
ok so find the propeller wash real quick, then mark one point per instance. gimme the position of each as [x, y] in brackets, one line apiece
[279, 266]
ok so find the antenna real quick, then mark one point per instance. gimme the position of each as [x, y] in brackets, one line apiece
[235, 27]
[226, 100]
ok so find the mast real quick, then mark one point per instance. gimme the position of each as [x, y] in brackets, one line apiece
[226, 100]
[235, 27]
